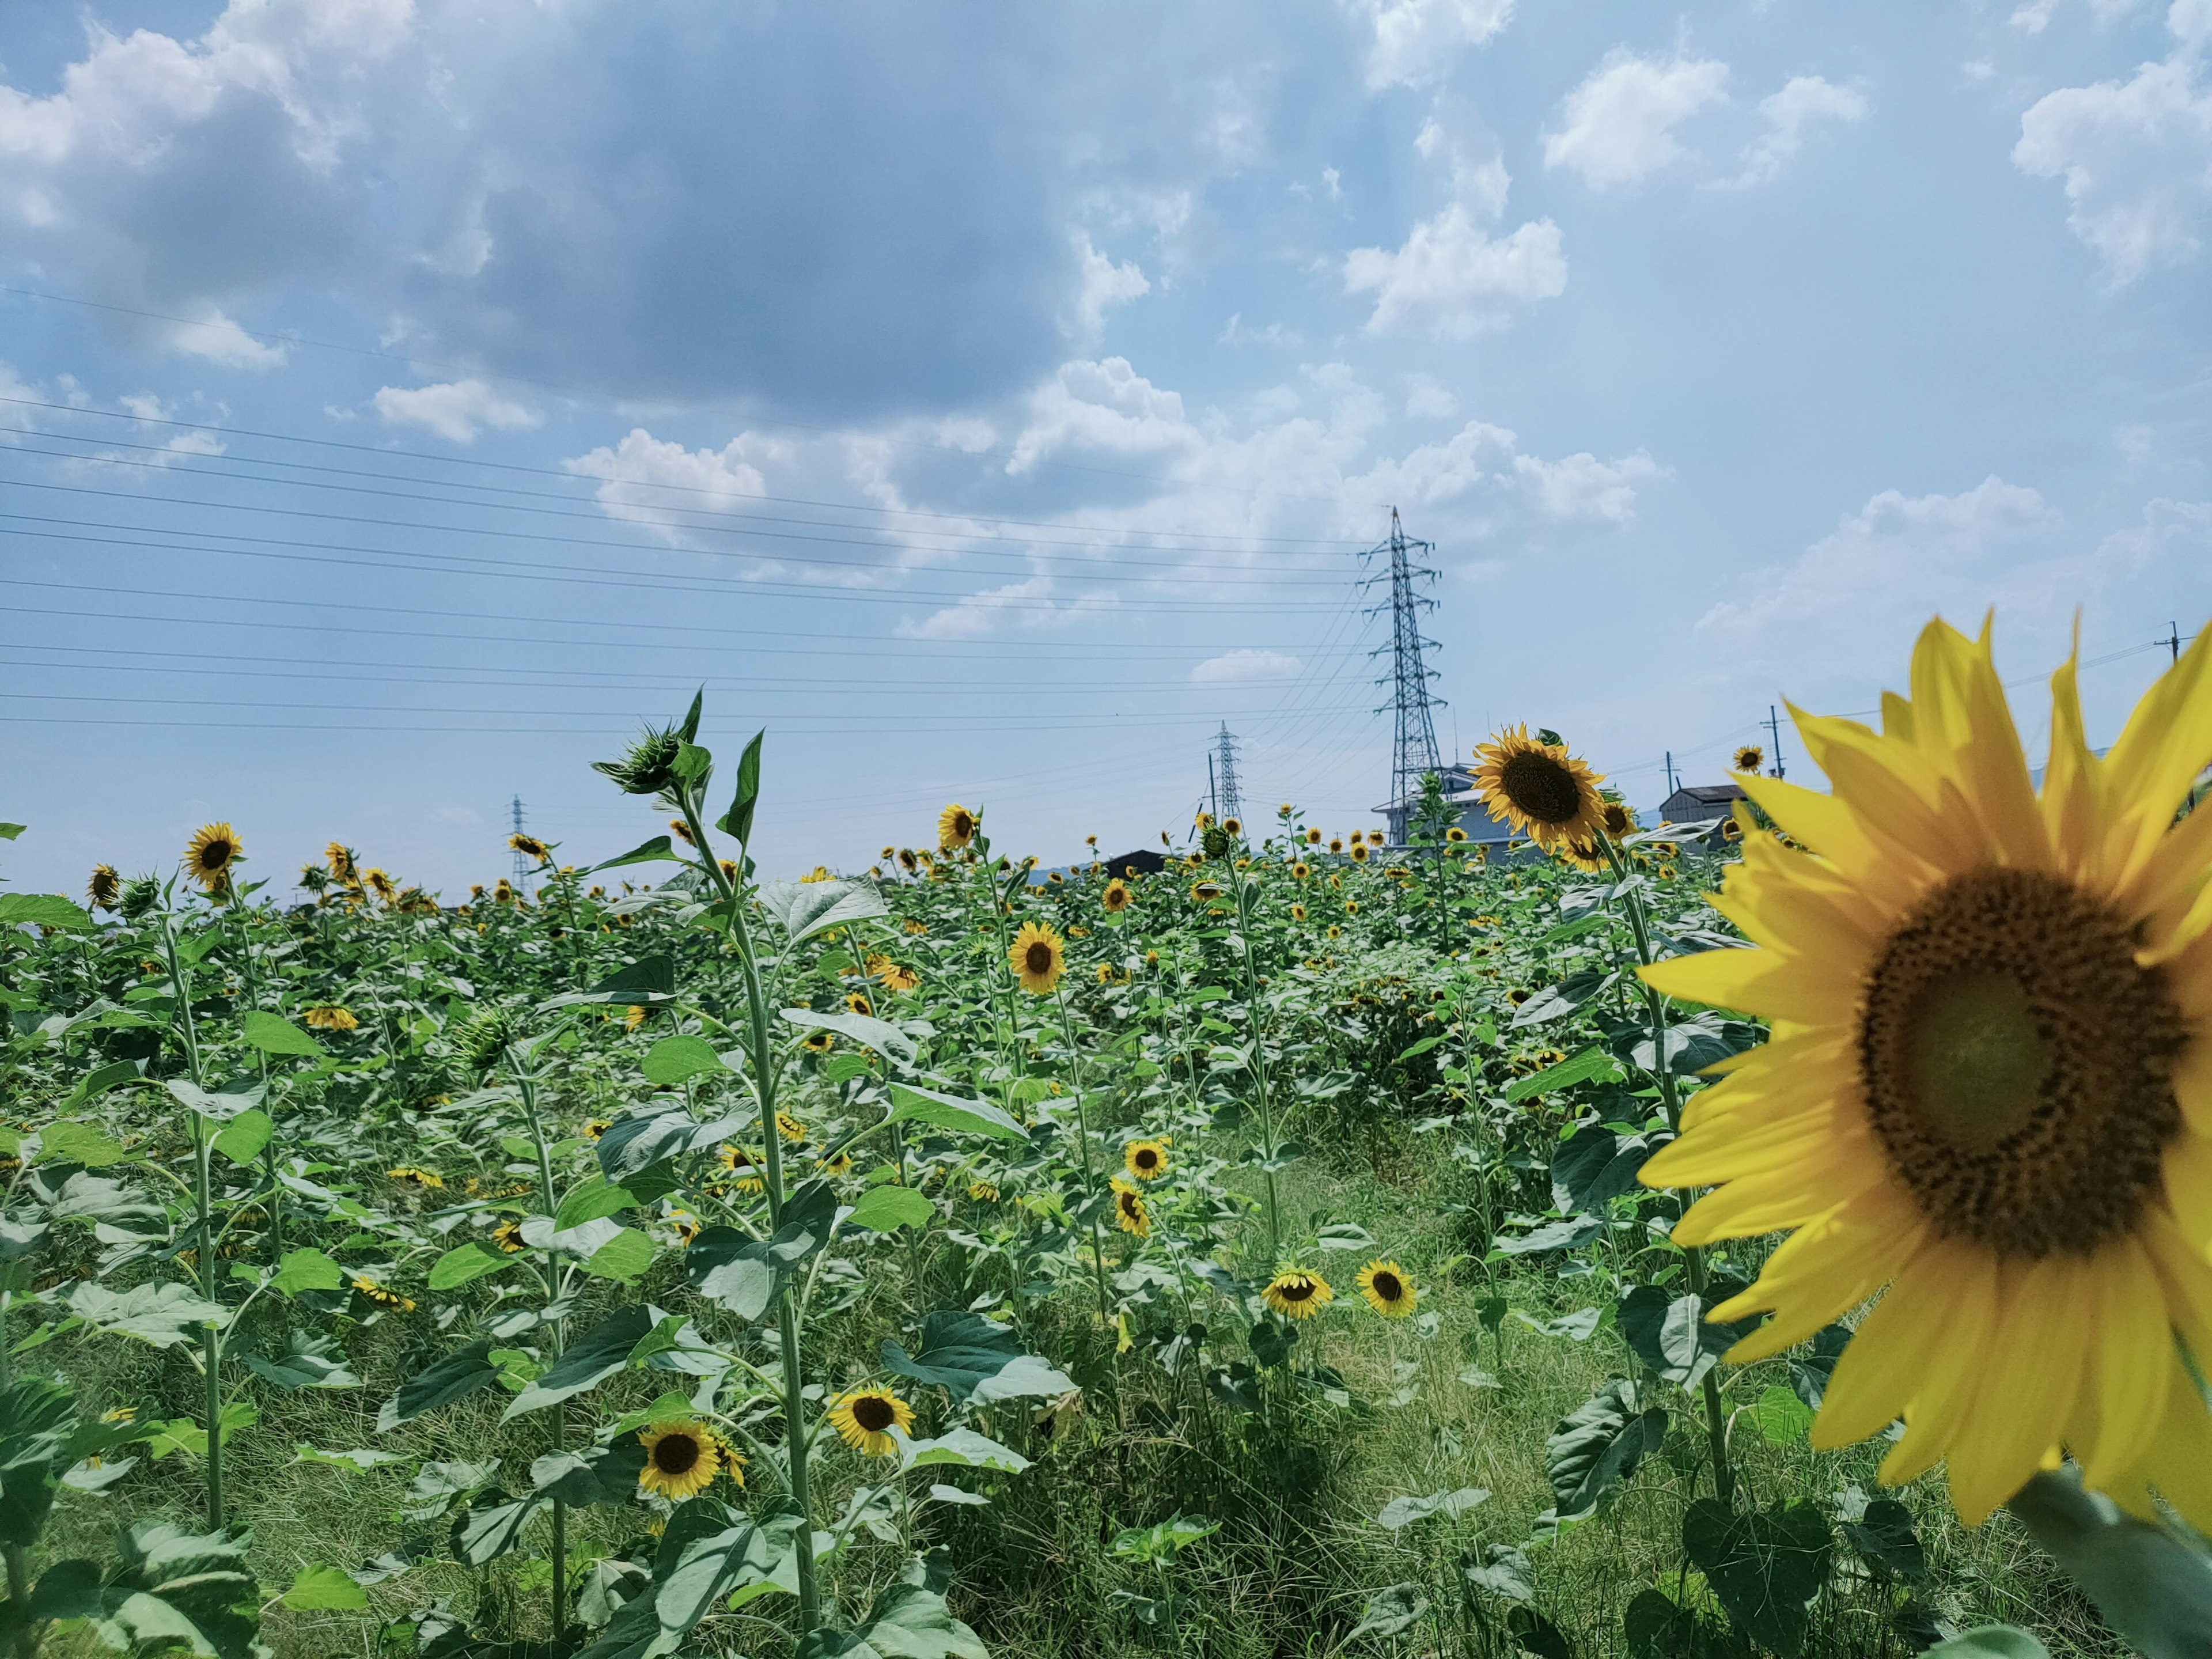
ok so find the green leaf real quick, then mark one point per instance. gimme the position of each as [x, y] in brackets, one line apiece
[1502, 1571]
[623, 1258]
[324, 1589]
[1591, 1062]
[1595, 1167]
[974, 1360]
[65, 1142]
[1766, 1566]
[1658, 1629]
[674, 1059]
[588, 1200]
[910, 1622]
[456, 1376]
[656, 850]
[489, 1529]
[597, 1474]
[37, 1418]
[163, 1315]
[307, 1269]
[1392, 1611]
[1598, 1446]
[245, 1135]
[309, 1362]
[1672, 1336]
[2153, 1589]
[47, 909]
[886, 1209]
[1404, 1511]
[974, 1117]
[746, 1275]
[216, 1107]
[1532, 1632]
[358, 1460]
[863, 1029]
[1991, 1641]
[98, 1081]
[1782, 1418]
[652, 980]
[738, 820]
[1883, 1536]
[961, 1449]
[644, 1139]
[168, 1588]
[803, 909]
[464, 1262]
[275, 1035]
[594, 1357]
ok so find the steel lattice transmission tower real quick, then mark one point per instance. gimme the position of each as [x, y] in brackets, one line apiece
[522, 865]
[1228, 802]
[1415, 752]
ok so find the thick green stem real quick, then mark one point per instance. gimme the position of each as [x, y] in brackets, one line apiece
[525, 1084]
[1082, 1136]
[1662, 1066]
[1244, 890]
[203, 1222]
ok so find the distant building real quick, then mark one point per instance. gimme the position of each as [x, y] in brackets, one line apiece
[1700, 803]
[1474, 817]
[1142, 862]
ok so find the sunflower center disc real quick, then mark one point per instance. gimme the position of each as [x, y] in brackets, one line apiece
[675, 1453]
[872, 1414]
[1386, 1287]
[1040, 958]
[1542, 788]
[2018, 1064]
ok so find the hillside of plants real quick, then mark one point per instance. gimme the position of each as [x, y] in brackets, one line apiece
[1251, 1256]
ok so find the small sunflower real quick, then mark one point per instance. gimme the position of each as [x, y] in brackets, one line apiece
[1313, 837]
[1538, 787]
[507, 1235]
[913, 925]
[1115, 899]
[1233, 826]
[820, 1041]
[1749, 758]
[210, 855]
[1298, 913]
[746, 1166]
[1387, 1289]
[331, 1017]
[380, 883]
[840, 1165]
[983, 1192]
[341, 860]
[1359, 853]
[857, 1002]
[408, 1176]
[1336, 843]
[681, 831]
[864, 1418]
[1454, 835]
[681, 1460]
[1206, 891]
[1302, 870]
[1037, 958]
[104, 887]
[1619, 819]
[1351, 907]
[889, 975]
[1129, 1212]
[1335, 932]
[1297, 1294]
[381, 1297]
[1105, 973]
[596, 1128]
[529, 847]
[684, 1224]
[956, 828]
[1147, 1160]
[790, 1129]
[634, 1016]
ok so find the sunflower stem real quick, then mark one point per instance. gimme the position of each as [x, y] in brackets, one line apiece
[204, 1223]
[1663, 1067]
[1083, 1138]
[525, 1085]
[1245, 888]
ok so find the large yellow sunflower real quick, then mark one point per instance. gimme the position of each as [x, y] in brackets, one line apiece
[1295, 1294]
[681, 1460]
[1388, 1289]
[1147, 1160]
[1548, 794]
[1036, 958]
[956, 827]
[210, 855]
[864, 1418]
[1115, 899]
[1987, 1088]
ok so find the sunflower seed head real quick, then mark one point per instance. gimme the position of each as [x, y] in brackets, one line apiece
[648, 766]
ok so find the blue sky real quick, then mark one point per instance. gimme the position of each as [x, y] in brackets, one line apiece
[404, 399]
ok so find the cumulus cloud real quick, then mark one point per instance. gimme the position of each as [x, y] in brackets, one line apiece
[1104, 286]
[653, 481]
[1030, 604]
[221, 340]
[1618, 127]
[456, 410]
[1103, 407]
[1429, 398]
[1232, 667]
[2136, 155]
[1451, 279]
[1417, 41]
[1805, 101]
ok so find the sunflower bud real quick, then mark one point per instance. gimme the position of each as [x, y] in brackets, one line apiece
[140, 895]
[478, 1043]
[648, 766]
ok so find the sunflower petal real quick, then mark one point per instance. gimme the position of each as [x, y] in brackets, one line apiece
[1887, 1361]
[2161, 750]
[2072, 783]
[1775, 984]
[1774, 1200]
[2124, 1396]
[1823, 1271]
[2030, 1374]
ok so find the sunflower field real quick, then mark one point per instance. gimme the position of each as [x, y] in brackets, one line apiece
[1786, 1238]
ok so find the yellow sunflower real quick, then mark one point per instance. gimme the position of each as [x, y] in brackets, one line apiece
[1297, 1294]
[1206, 892]
[1538, 787]
[821, 1041]
[529, 847]
[507, 1235]
[1147, 1160]
[1454, 835]
[790, 1129]
[210, 855]
[745, 1166]
[1116, 898]
[408, 1176]
[1298, 913]
[889, 975]
[597, 1127]
[1618, 819]
[332, 1018]
[340, 858]
[104, 887]
[840, 1165]
[1336, 843]
[864, 1418]
[1988, 1087]
[381, 1297]
[1387, 1289]
[956, 828]
[1037, 958]
[1233, 826]
[1313, 837]
[983, 1192]
[1585, 855]
[1359, 853]
[1749, 758]
[379, 882]
[1129, 1212]
[681, 1460]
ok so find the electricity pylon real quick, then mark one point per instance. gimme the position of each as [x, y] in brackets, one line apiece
[1228, 802]
[1415, 747]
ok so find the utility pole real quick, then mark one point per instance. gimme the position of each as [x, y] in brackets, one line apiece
[1228, 799]
[2174, 639]
[1213, 788]
[1671, 785]
[521, 864]
[1774, 731]
[1413, 752]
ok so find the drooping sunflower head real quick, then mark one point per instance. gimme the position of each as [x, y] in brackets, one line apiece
[210, 855]
[507, 1235]
[1206, 891]
[1584, 854]
[983, 1192]
[1618, 819]
[1298, 913]
[891, 976]
[748, 1167]
[1115, 899]
[1297, 1294]
[956, 828]
[104, 887]
[380, 883]
[332, 1018]
[379, 1295]
[908, 862]
[1036, 958]
[1130, 1214]
[408, 1176]
[682, 1458]
[1388, 1289]
[790, 1129]
[864, 1419]
[1538, 787]
[1989, 1084]
[819, 1042]
[634, 1016]
[140, 895]
[1147, 1160]
[595, 1128]
[341, 860]
[484, 1036]
[529, 847]
[1749, 758]
[649, 765]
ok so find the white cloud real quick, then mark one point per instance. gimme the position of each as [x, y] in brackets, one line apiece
[1451, 281]
[2035, 15]
[219, 340]
[1105, 405]
[1275, 334]
[1897, 558]
[1429, 398]
[1805, 101]
[652, 481]
[455, 410]
[1619, 124]
[1584, 487]
[2135, 156]
[1417, 41]
[1023, 605]
[1233, 666]
[1103, 286]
